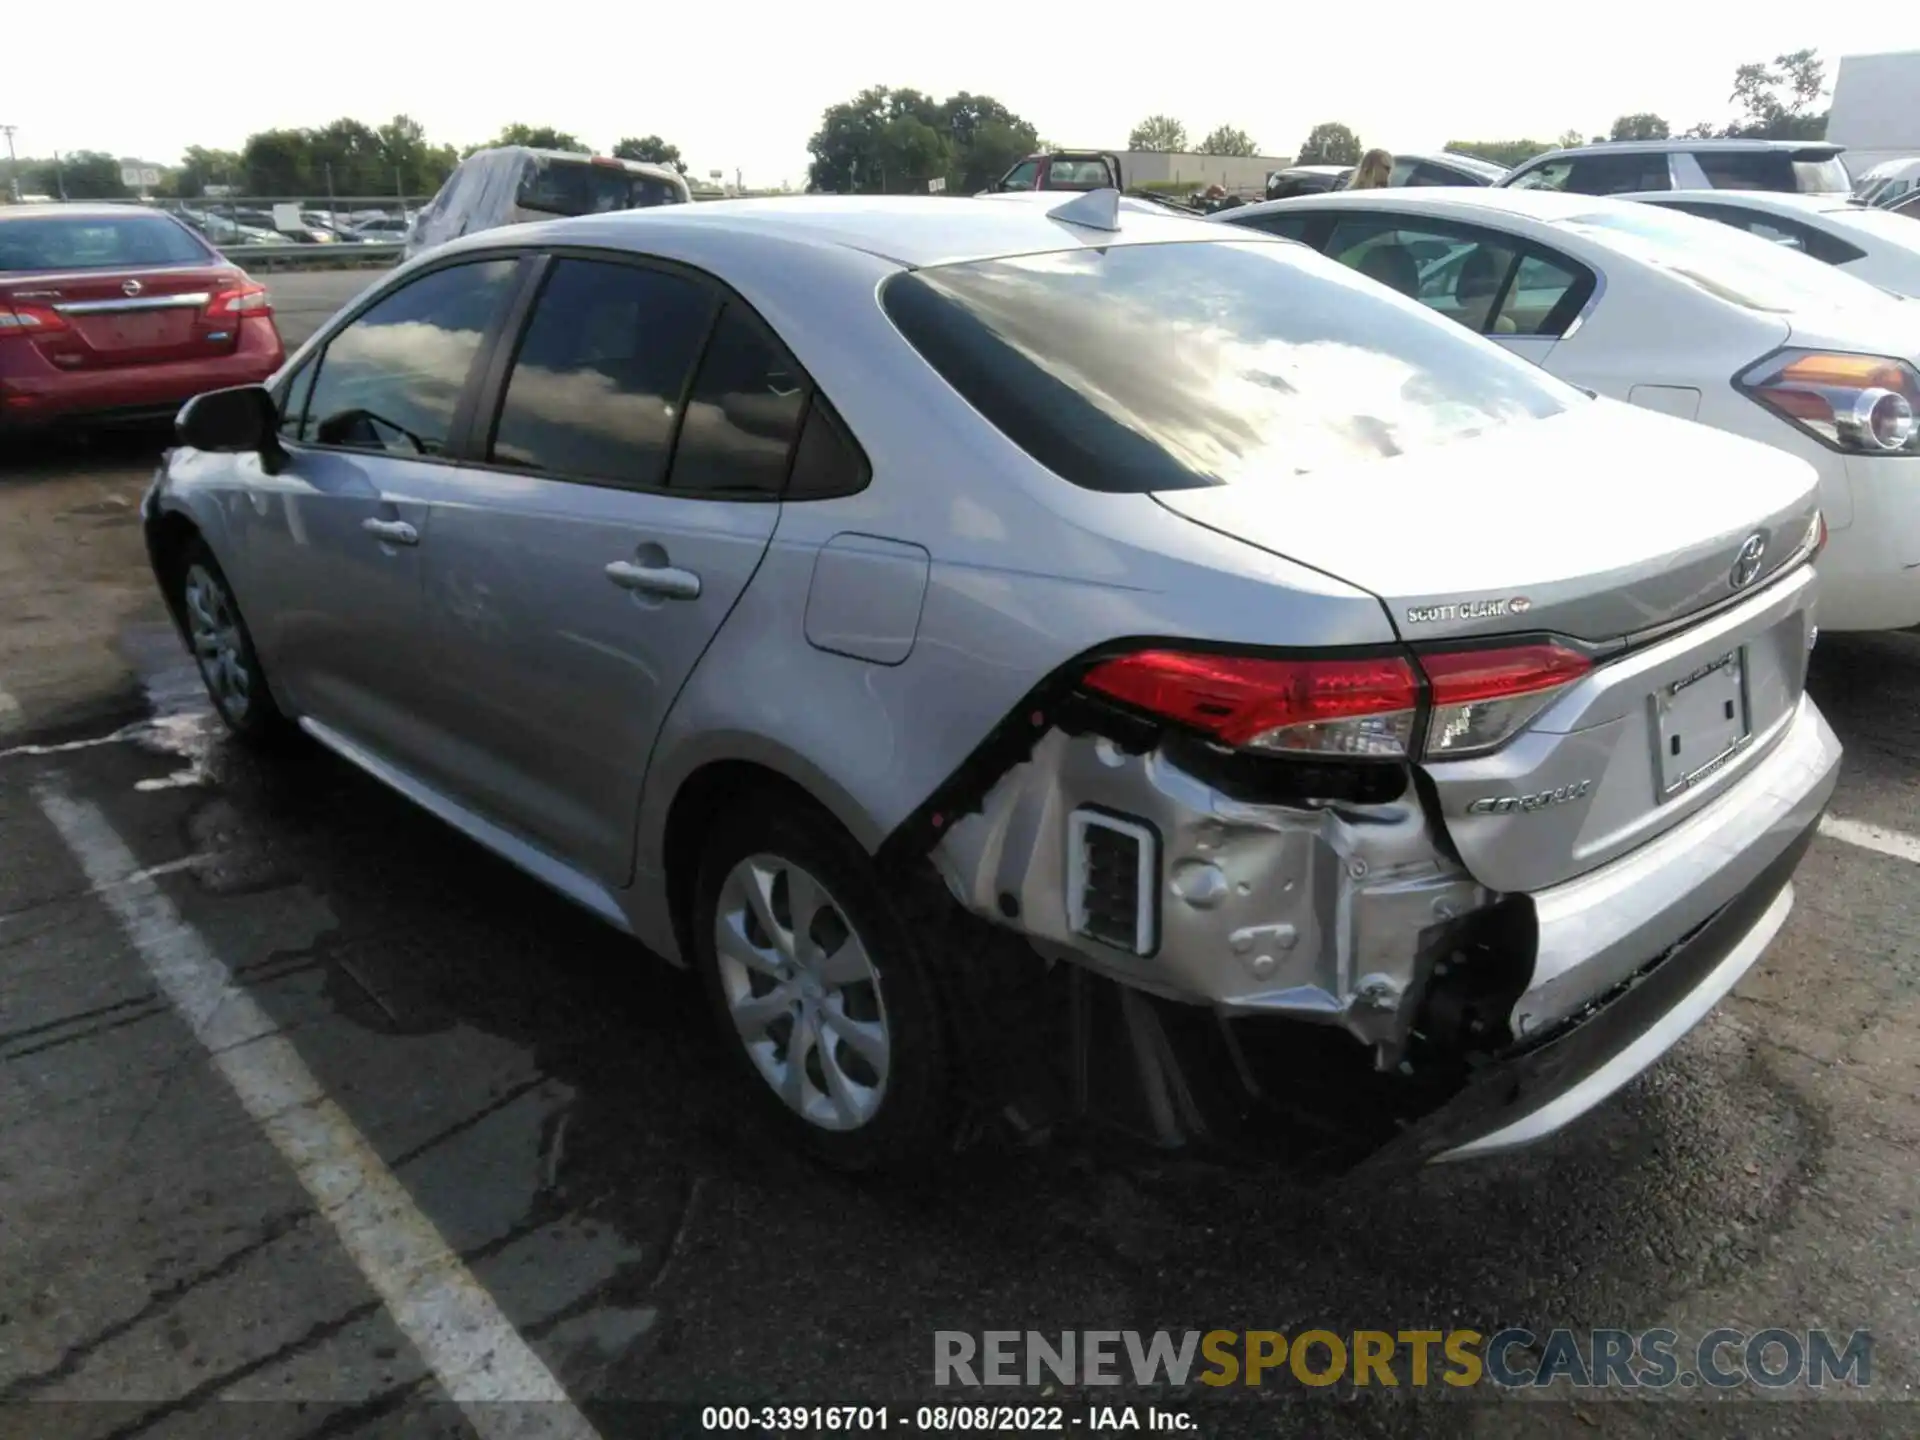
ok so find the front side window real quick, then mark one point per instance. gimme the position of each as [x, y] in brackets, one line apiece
[98, 242]
[392, 379]
[595, 388]
[1175, 365]
[1619, 174]
[1485, 281]
[1021, 177]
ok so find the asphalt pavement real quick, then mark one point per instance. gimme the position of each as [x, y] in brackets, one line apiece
[305, 1102]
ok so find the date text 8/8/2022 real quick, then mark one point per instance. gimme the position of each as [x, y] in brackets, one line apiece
[990, 1419]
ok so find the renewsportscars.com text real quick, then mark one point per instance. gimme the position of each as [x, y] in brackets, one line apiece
[1510, 1358]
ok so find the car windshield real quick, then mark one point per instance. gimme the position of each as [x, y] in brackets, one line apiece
[567, 188]
[1170, 366]
[1731, 264]
[96, 242]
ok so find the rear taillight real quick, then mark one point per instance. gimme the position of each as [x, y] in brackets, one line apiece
[30, 320]
[1357, 707]
[1322, 706]
[1482, 698]
[1863, 404]
[246, 298]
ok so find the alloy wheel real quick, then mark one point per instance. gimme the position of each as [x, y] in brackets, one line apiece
[213, 627]
[802, 992]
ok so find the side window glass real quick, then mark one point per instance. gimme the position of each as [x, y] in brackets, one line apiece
[1550, 176]
[1536, 305]
[743, 413]
[1288, 227]
[392, 379]
[1021, 176]
[595, 388]
[1619, 174]
[1457, 275]
[1747, 169]
[1434, 175]
[293, 409]
[828, 461]
[1778, 233]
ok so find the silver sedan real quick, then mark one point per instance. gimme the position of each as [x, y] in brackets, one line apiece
[917, 615]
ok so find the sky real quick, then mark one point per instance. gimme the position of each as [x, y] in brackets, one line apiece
[741, 86]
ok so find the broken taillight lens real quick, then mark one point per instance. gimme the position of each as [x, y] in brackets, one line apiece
[1359, 707]
[1482, 698]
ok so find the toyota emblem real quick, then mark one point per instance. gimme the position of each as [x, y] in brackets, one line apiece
[131, 287]
[1746, 564]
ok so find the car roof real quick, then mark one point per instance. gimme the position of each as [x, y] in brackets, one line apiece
[77, 209]
[1780, 202]
[1454, 158]
[1658, 147]
[1462, 202]
[908, 230]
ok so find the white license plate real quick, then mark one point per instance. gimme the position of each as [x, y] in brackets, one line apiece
[1702, 723]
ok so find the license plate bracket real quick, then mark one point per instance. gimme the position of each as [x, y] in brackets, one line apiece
[1700, 723]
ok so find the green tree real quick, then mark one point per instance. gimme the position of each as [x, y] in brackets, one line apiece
[1777, 101]
[1227, 140]
[1501, 152]
[201, 167]
[78, 175]
[652, 149]
[1329, 143]
[1702, 131]
[1158, 132]
[351, 154]
[1642, 126]
[538, 137]
[405, 152]
[1570, 138]
[987, 140]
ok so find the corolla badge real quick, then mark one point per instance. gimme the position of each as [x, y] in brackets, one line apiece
[1746, 564]
[1527, 804]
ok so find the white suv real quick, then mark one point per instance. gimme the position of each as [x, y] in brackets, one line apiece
[1621, 166]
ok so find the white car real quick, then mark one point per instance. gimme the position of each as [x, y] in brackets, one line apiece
[1878, 246]
[1681, 315]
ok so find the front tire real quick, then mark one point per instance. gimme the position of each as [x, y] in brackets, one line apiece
[222, 647]
[821, 991]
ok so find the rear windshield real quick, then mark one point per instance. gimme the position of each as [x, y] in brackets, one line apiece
[96, 242]
[1731, 264]
[1171, 366]
[563, 188]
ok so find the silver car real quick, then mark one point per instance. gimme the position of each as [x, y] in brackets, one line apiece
[876, 603]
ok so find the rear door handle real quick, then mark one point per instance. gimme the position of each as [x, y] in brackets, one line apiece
[394, 532]
[661, 580]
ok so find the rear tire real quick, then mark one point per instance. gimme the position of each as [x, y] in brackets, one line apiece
[222, 648]
[822, 991]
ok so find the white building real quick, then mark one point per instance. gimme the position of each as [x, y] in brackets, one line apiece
[1246, 173]
[1876, 108]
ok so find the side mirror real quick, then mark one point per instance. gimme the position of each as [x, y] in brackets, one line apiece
[235, 420]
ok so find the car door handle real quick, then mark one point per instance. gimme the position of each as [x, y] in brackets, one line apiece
[394, 532]
[661, 580]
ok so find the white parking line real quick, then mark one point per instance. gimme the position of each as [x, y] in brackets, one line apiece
[505, 1390]
[1872, 837]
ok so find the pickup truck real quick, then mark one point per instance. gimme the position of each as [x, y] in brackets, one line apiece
[1063, 170]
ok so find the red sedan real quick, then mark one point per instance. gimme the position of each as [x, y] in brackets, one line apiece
[116, 313]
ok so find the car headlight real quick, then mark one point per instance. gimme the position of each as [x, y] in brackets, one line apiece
[1861, 404]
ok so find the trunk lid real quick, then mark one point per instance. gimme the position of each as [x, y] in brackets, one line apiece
[129, 317]
[1602, 522]
[1603, 525]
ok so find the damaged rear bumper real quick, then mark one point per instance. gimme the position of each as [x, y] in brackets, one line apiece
[1486, 1021]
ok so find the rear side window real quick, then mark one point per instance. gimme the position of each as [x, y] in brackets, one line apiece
[828, 461]
[1807, 239]
[743, 414]
[1170, 366]
[1747, 169]
[392, 379]
[97, 242]
[597, 383]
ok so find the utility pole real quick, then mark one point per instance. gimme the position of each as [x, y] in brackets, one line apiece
[13, 167]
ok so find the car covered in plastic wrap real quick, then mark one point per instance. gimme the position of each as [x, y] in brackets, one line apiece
[510, 184]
